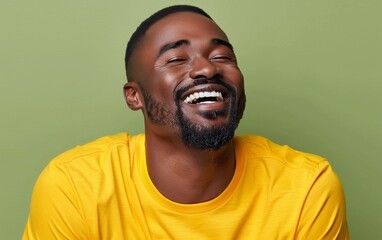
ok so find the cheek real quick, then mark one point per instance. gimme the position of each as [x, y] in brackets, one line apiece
[161, 86]
[169, 80]
[173, 75]
[237, 79]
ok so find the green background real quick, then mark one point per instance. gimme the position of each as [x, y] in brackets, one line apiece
[313, 81]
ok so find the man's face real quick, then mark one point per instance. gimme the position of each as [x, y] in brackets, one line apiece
[188, 75]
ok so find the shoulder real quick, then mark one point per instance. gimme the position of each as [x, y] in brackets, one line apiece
[262, 152]
[300, 181]
[94, 159]
[75, 182]
[98, 149]
[85, 166]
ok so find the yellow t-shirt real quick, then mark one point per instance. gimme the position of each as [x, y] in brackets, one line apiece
[102, 190]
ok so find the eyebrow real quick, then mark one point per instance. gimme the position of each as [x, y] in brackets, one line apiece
[218, 41]
[172, 45]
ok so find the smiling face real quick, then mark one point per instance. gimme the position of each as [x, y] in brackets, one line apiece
[189, 79]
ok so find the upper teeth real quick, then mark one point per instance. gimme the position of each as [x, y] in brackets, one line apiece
[199, 95]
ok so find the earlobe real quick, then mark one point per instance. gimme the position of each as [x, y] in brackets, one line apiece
[132, 96]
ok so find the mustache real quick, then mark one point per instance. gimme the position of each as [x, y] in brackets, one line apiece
[201, 81]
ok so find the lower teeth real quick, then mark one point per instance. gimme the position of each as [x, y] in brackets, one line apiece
[205, 102]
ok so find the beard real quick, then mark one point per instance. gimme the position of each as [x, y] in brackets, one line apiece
[197, 136]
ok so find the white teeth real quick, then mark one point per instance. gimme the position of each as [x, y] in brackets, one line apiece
[206, 102]
[198, 95]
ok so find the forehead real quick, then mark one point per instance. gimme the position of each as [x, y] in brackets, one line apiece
[195, 28]
[182, 25]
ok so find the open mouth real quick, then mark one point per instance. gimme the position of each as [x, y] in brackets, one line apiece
[204, 97]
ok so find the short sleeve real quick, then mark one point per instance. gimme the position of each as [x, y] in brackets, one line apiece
[324, 212]
[54, 210]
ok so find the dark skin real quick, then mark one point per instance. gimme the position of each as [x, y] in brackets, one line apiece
[175, 51]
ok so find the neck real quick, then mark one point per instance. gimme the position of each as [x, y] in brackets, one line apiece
[187, 175]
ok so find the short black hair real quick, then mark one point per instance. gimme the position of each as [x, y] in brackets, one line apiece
[146, 24]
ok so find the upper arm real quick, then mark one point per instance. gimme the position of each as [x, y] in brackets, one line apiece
[324, 212]
[54, 210]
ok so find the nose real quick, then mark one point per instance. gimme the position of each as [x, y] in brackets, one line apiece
[203, 68]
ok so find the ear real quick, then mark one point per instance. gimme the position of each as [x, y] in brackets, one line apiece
[133, 96]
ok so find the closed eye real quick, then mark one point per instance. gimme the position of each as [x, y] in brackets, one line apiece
[175, 60]
[223, 58]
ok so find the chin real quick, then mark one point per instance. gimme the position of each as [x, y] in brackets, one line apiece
[210, 137]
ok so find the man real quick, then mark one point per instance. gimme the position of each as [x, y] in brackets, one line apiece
[187, 177]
